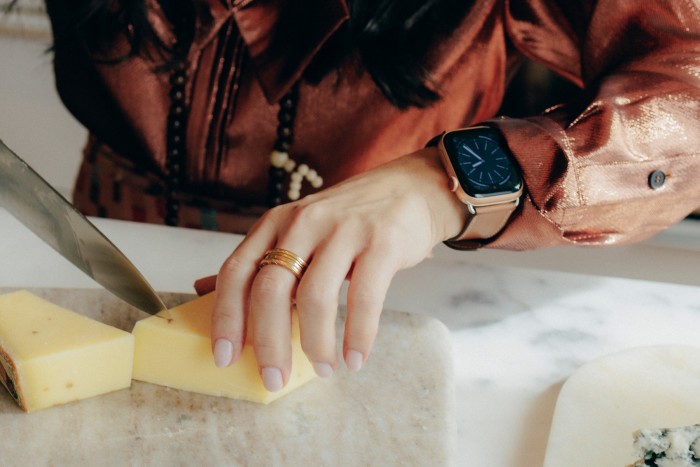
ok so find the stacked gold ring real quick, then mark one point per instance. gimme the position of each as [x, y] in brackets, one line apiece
[286, 259]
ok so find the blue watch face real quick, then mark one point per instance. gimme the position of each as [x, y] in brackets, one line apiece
[482, 165]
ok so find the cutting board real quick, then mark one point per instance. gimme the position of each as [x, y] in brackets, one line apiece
[397, 411]
[607, 400]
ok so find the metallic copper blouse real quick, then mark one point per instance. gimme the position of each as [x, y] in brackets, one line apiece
[586, 165]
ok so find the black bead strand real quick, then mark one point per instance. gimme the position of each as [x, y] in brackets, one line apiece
[285, 138]
[175, 144]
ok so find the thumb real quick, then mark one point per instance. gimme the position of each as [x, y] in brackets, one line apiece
[205, 285]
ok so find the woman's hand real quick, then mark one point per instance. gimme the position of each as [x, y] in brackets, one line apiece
[365, 230]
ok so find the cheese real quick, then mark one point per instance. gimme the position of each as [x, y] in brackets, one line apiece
[674, 447]
[175, 351]
[51, 356]
[605, 401]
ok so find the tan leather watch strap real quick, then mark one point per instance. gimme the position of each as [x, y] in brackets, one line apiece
[486, 221]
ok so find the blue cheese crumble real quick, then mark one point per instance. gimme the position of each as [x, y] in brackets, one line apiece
[668, 447]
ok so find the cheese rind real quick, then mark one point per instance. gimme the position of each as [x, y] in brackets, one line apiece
[50, 355]
[176, 353]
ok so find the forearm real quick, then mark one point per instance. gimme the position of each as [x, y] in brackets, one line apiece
[587, 168]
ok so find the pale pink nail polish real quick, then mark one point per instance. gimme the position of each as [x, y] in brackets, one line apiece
[324, 370]
[272, 379]
[223, 353]
[353, 360]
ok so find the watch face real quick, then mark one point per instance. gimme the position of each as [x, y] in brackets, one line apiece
[482, 166]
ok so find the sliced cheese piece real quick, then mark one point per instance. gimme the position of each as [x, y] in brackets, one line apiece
[51, 356]
[176, 352]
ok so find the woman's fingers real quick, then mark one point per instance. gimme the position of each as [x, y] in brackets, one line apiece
[228, 317]
[371, 276]
[270, 321]
[233, 285]
[271, 298]
[317, 299]
[272, 295]
[367, 228]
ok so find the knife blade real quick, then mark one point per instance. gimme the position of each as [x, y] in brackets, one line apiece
[37, 205]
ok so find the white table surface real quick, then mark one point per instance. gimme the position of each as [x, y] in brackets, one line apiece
[517, 332]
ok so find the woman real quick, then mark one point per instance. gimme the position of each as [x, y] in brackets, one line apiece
[204, 113]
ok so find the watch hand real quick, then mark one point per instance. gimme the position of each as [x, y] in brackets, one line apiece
[478, 163]
[468, 149]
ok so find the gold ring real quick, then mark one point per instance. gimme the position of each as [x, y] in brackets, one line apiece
[286, 259]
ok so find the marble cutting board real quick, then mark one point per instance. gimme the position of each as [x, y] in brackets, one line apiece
[397, 411]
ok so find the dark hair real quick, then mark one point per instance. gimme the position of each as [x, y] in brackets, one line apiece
[393, 38]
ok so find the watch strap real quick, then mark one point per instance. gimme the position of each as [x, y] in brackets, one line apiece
[485, 221]
[434, 140]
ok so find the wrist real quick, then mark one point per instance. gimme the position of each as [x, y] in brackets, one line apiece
[448, 212]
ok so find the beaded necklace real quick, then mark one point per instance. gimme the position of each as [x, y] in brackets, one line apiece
[281, 164]
[280, 161]
[175, 143]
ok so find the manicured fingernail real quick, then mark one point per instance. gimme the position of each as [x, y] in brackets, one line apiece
[272, 379]
[353, 360]
[324, 370]
[223, 353]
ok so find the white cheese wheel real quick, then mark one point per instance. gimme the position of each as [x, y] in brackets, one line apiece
[668, 447]
[603, 404]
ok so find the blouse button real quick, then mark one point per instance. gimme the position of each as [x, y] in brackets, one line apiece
[657, 179]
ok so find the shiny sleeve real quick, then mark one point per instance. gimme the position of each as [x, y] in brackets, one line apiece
[623, 164]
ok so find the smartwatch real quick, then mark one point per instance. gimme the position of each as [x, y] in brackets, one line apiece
[484, 176]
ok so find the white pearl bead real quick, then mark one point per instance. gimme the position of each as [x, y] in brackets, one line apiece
[317, 182]
[278, 159]
[311, 175]
[297, 173]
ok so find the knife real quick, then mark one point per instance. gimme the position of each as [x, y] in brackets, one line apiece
[38, 206]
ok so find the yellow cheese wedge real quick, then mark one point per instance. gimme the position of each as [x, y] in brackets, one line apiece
[176, 352]
[50, 355]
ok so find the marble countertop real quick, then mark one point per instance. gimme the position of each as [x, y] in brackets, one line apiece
[518, 332]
